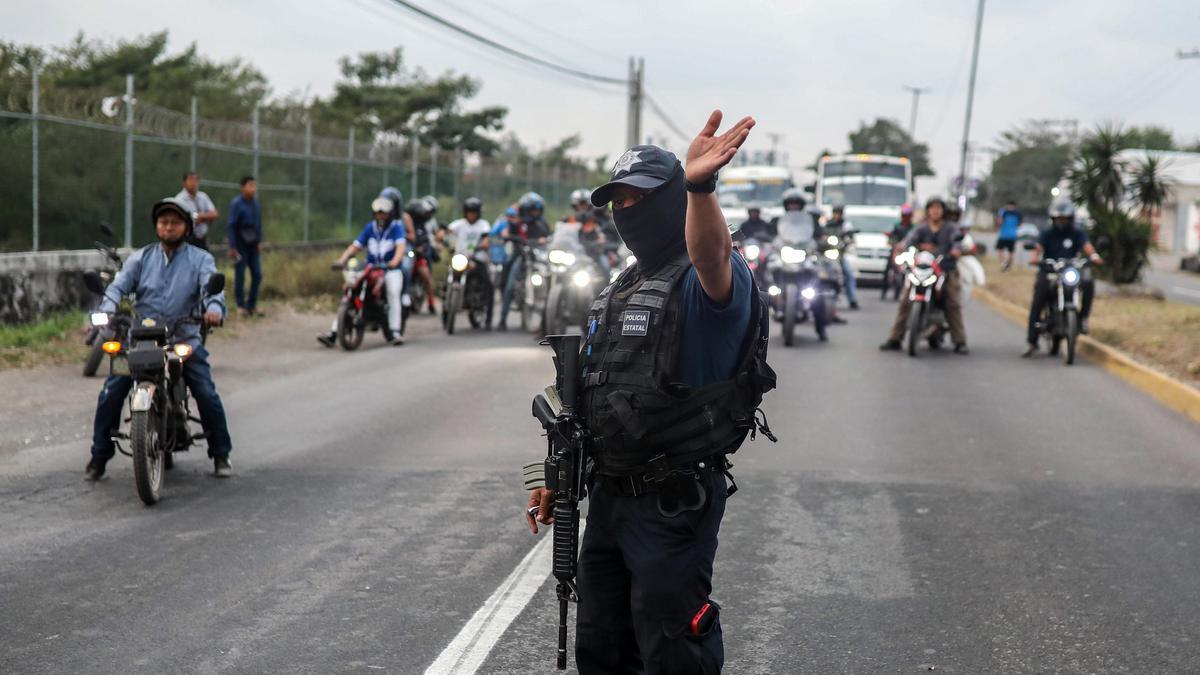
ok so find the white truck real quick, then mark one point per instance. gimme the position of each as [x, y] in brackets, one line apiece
[872, 188]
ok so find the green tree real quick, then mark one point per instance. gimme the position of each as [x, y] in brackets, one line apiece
[1151, 137]
[378, 93]
[1149, 187]
[886, 137]
[1032, 160]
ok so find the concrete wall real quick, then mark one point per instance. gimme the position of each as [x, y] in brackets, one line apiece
[35, 284]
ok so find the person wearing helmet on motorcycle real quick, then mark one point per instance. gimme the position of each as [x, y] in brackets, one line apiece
[433, 225]
[943, 239]
[469, 233]
[1063, 239]
[536, 232]
[168, 279]
[581, 206]
[754, 227]
[507, 222]
[425, 254]
[383, 239]
[897, 234]
[838, 226]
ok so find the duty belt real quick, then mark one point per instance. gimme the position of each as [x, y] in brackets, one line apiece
[651, 481]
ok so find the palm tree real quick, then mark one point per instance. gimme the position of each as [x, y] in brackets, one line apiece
[1149, 187]
[1103, 177]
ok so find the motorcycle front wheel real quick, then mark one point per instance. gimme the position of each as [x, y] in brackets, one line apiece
[789, 314]
[820, 320]
[350, 327]
[147, 455]
[554, 311]
[527, 301]
[95, 356]
[916, 319]
[450, 308]
[1072, 334]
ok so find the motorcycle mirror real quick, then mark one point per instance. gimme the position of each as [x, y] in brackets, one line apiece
[216, 283]
[91, 280]
[107, 229]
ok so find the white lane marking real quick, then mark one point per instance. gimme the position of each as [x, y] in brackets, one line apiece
[466, 653]
[1186, 291]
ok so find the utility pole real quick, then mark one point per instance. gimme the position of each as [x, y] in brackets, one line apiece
[633, 122]
[775, 138]
[962, 162]
[1194, 54]
[912, 119]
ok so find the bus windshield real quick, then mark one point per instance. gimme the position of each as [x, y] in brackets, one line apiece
[864, 194]
[853, 168]
[743, 191]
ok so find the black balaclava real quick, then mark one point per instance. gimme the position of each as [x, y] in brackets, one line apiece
[653, 227]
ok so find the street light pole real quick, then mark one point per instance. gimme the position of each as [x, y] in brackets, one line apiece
[912, 120]
[962, 162]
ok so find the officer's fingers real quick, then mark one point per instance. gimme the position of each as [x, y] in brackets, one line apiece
[714, 122]
[744, 124]
[545, 509]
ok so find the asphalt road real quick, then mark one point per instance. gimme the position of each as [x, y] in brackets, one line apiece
[973, 514]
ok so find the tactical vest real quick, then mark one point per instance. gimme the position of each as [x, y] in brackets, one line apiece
[640, 418]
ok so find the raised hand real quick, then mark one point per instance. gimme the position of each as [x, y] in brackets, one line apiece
[709, 152]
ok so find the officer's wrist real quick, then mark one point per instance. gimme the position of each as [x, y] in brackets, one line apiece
[706, 187]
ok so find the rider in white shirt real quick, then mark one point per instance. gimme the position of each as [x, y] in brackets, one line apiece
[468, 231]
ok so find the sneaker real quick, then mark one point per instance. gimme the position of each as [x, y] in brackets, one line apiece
[854, 305]
[1029, 351]
[1083, 326]
[406, 300]
[327, 339]
[396, 340]
[838, 319]
[95, 469]
[221, 467]
[961, 349]
[890, 346]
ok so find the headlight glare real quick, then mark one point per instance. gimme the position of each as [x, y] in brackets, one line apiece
[458, 262]
[581, 278]
[99, 319]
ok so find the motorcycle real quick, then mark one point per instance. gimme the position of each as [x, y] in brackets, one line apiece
[575, 280]
[532, 281]
[924, 279]
[1060, 321]
[158, 401]
[98, 335]
[468, 286]
[803, 277]
[364, 303]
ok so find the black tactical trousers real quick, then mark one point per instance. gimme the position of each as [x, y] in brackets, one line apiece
[1042, 298]
[643, 577]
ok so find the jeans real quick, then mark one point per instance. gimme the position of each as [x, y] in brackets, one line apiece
[643, 576]
[850, 280]
[248, 256]
[198, 377]
[951, 300]
[1042, 298]
[514, 273]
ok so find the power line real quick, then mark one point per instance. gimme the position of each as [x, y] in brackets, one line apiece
[666, 119]
[504, 48]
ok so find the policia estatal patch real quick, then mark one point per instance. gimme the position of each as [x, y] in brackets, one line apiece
[635, 322]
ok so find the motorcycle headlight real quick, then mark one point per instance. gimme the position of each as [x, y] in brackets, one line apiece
[581, 278]
[560, 257]
[808, 292]
[536, 280]
[832, 253]
[752, 251]
[99, 319]
[832, 240]
[459, 262]
[630, 261]
[791, 255]
[774, 290]
[1070, 276]
[183, 351]
[930, 280]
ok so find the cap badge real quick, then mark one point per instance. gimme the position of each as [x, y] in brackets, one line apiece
[626, 161]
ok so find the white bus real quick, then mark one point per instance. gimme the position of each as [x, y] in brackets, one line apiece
[741, 187]
[872, 188]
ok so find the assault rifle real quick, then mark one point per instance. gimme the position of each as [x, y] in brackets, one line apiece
[566, 466]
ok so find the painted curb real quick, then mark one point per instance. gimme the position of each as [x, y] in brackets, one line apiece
[1173, 393]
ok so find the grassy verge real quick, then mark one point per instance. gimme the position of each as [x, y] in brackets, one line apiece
[1160, 333]
[302, 280]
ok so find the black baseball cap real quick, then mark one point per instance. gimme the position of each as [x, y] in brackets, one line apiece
[642, 166]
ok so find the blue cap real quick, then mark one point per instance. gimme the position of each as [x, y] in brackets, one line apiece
[643, 166]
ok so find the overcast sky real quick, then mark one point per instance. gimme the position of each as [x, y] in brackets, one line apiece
[807, 70]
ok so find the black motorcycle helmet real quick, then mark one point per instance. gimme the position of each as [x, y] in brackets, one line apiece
[472, 204]
[397, 198]
[530, 202]
[172, 204]
[419, 209]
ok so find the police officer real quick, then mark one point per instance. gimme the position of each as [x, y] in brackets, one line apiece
[1063, 239]
[673, 368]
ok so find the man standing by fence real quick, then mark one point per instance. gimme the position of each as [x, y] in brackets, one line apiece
[203, 210]
[245, 233]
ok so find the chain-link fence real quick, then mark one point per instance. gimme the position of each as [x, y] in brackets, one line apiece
[69, 162]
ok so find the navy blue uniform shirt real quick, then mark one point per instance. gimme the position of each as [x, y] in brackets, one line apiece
[711, 335]
[244, 214]
[1058, 243]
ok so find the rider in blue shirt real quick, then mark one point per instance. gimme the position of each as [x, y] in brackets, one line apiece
[168, 278]
[383, 240]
